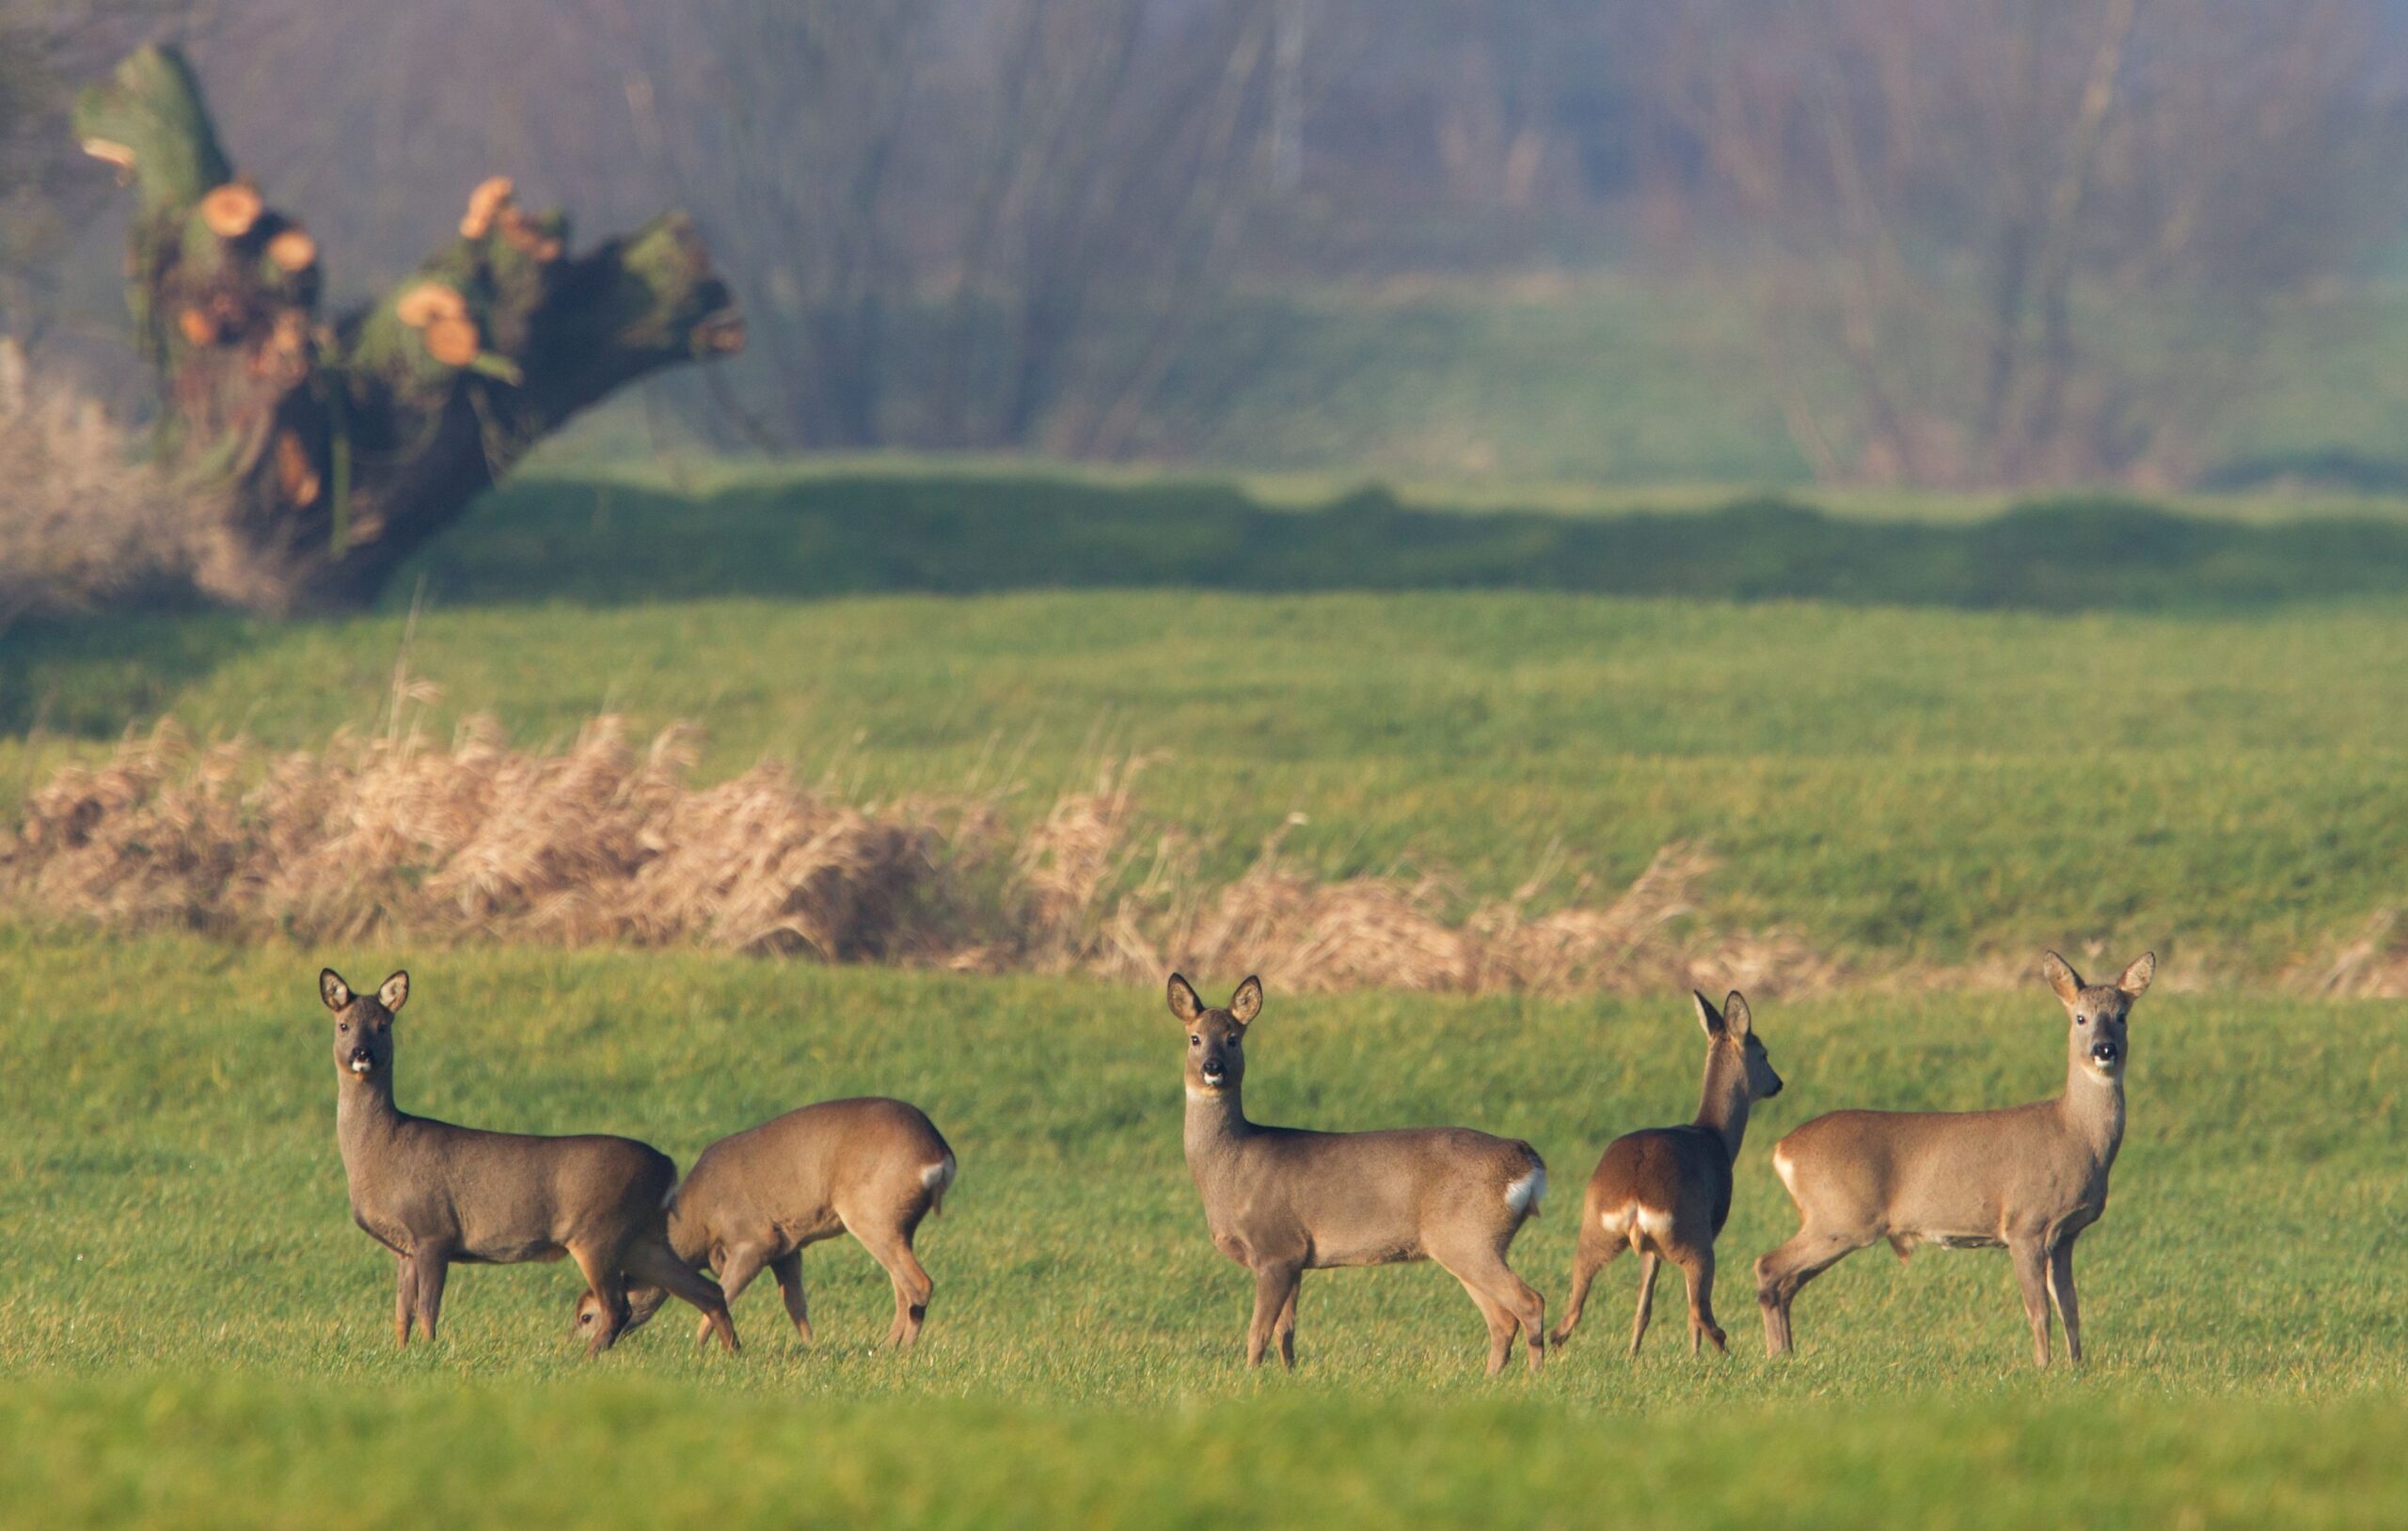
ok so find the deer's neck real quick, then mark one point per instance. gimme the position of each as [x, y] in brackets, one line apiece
[1215, 1125]
[2093, 1109]
[1722, 1102]
[364, 1111]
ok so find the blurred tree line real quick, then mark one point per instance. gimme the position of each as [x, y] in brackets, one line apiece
[1982, 241]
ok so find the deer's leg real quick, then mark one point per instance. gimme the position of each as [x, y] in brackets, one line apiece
[2061, 1288]
[405, 1297]
[1499, 1292]
[736, 1268]
[1529, 1311]
[1596, 1252]
[1648, 1264]
[1781, 1272]
[891, 1247]
[609, 1289]
[1500, 1322]
[2031, 1258]
[1273, 1279]
[1284, 1328]
[787, 1267]
[433, 1263]
[650, 1259]
[1697, 1264]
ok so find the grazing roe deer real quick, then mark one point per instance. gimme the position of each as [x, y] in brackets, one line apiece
[2027, 1177]
[1665, 1192]
[1281, 1200]
[439, 1195]
[871, 1167]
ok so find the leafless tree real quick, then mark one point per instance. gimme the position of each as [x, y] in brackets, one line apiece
[1975, 207]
[933, 205]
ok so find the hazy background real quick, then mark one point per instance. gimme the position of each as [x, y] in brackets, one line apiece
[1940, 242]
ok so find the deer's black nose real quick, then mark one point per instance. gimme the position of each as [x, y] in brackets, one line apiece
[2106, 1053]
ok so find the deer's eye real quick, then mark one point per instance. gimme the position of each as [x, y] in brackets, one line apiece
[1195, 1041]
[2081, 1020]
[345, 1027]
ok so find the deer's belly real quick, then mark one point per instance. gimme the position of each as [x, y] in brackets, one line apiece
[1908, 1242]
[1367, 1251]
[507, 1252]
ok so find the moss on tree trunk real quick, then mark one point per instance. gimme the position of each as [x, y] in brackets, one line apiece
[318, 455]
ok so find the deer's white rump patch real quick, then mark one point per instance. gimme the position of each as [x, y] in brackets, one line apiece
[938, 1178]
[1523, 1195]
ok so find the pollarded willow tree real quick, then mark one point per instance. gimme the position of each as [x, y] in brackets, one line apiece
[318, 455]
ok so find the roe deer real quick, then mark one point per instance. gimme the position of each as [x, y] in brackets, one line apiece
[439, 1195]
[2028, 1177]
[1665, 1192]
[1281, 1200]
[872, 1168]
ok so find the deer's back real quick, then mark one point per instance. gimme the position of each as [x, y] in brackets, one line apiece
[1369, 1198]
[1950, 1178]
[800, 1173]
[503, 1197]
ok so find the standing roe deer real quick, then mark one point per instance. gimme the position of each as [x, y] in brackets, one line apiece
[1666, 1192]
[872, 1168]
[2028, 1177]
[1281, 1200]
[438, 1195]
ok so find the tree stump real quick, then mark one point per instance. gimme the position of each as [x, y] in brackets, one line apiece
[317, 456]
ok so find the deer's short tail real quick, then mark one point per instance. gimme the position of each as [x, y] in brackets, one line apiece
[1523, 1196]
[937, 1178]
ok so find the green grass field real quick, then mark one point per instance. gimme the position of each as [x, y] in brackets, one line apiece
[2207, 766]
[188, 1311]
[1917, 733]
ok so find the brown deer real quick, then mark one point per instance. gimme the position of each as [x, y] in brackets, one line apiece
[1664, 1192]
[2029, 1179]
[872, 1168]
[1281, 1200]
[439, 1195]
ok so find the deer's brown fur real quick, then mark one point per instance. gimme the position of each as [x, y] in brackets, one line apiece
[1664, 1192]
[1281, 1200]
[872, 1167]
[2027, 1178]
[439, 1195]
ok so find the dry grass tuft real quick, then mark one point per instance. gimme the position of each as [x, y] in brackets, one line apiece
[605, 842]
[600, 843]
[2372, 964]
[81, 522]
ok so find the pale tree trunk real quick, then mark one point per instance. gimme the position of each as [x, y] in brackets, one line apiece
[318, 457]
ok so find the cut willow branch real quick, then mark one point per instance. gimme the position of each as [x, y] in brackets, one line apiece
[496, 340]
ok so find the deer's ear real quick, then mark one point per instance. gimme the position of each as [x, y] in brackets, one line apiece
[1707, 1015]
[1735, 1015]
[2135, 980]
[2061, 977]
[1246, 1002]
[395, 993]
[332, 989]
[1183, 1003]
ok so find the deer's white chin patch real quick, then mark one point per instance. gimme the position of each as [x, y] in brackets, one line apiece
[361, 1065]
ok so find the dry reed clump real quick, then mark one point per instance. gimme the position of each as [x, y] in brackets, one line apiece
[2372, 964]
[1302, 934]
[604, 842]
[597, 843]
[81, 522]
